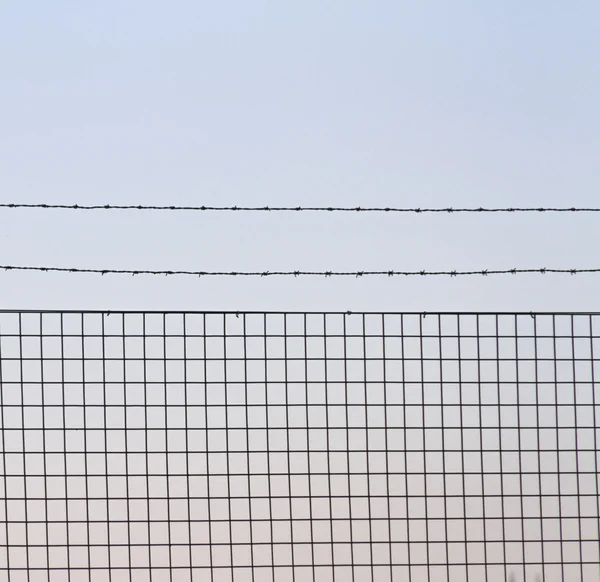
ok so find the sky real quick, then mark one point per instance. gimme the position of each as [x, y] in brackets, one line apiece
[306, 103]
[345, 103]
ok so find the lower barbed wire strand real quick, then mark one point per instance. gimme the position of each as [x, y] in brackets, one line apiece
[296, 273]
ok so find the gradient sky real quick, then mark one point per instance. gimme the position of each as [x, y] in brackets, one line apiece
[428, 103]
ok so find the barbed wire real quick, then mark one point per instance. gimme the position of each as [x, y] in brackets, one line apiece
[449, 210]
[358, 274]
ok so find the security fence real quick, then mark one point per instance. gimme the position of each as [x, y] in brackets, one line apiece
[295, 447]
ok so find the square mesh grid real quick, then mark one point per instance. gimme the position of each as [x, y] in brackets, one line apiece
[298, 447]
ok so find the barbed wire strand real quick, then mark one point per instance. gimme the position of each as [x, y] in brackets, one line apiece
[390, 273]
[448, 210]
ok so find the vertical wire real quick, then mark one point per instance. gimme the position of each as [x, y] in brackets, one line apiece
[500, 451]
[64, 418]
[187, 446]
[227, 453]
[352, 562]
[328, 447]
[596, 423]
[422, 382]
[85, 449]
[127, 474]
[385, 434]
[207, 443]
[106, 462]
[558, 474]
[167, 453]
[443, 431]
[47, 532]
[577, 475]
[287, 425]
[4, 476]
[462, 447]
[538, 439]
[146, 443]
[369, 498]
[269, 492]
[247, 408]
[24, 443]
[308, 453]
[406, 494]
[481, 439]
[520, 447]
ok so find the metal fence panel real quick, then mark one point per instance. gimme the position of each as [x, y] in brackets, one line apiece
[302, 446]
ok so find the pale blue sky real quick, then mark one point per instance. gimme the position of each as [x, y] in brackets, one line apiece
[296, 103]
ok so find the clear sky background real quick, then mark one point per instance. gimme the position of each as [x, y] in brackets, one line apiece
[390, 103]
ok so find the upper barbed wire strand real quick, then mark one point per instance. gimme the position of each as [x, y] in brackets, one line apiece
[379, 209]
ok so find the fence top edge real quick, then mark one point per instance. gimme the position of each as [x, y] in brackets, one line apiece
[281, 312]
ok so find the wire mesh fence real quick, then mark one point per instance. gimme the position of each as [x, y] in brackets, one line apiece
[257, 447]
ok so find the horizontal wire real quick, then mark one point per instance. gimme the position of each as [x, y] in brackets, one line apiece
[449, 210]
[390, 273]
